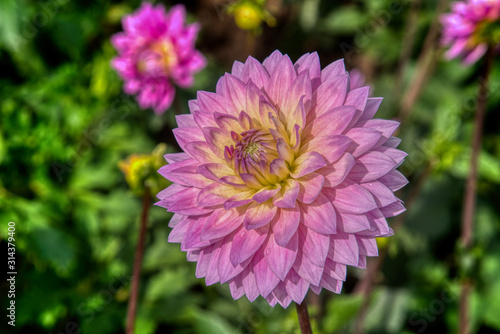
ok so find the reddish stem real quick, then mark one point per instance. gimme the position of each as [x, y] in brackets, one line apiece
[134, 289]
[303, 314]
[469, 202]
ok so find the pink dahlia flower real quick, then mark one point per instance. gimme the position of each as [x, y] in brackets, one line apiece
[155, 52]
[470, 28]
[285, 179]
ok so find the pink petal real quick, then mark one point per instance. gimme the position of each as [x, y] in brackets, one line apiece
[281, 259]
[259, 214]
[320, 216]
[351, 198]
[246, 242]
[285, 226]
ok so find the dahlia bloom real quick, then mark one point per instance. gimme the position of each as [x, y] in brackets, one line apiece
[470, 28]
[155, 52]
[285, 179]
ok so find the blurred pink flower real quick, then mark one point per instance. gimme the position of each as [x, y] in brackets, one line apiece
[286, 179]
[470, 28]
[155, 52]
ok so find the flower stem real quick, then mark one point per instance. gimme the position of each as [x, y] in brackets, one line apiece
[304, 322]
[132, 304]
[469, 202]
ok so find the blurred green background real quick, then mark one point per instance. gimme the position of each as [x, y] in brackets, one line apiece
[65, 125]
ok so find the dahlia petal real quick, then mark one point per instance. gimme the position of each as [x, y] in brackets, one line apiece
[212, 270]
[185, 203]
[239, 199]
[266, 193]
[307, 163]
[363, 139]
[253, 101]
[234, 91]
[188, 176]
[228, 122]
[330, 147]
[394, 180]
[284, 151]
[378, 225]
[211, 102]
[372, 105]
[306, 269]
[170, 191]
[332, 122]
[385, 126]
[271, 62]
[221, 223]
[382, 195]
[280, 81]
[332, 70]
[236, 287]
[204, 261]
[176, 157]
[285, 227]
[352, 198]
[175, 220]
[214, 171]
[299, 91]
[279, 168]
[336, 173]
[476, 54]
[331, 284]
[335, 270]
[281, 259]
[392, 142]
[251, 181]
[296, 287]
[279, 294]
[265, 278]
[201, 152]
[259, 214]
[228, 268]
[320, 216]
[358, 97]
[237, 69]
[192, 239]
[185, 120]
[254, 71]
[371, 166]
[180, 230]
[393, 209]
[344, 249]
[330, 94]
[351, 223]
[311, 186]
[314, 245]
[310, 63]
[215, 194]
[397, 155]
[246, 242]
[250, 284]
[367, 246]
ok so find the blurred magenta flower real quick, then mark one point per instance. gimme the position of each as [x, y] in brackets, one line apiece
[156, 52]
[470, 28]
[285, 179]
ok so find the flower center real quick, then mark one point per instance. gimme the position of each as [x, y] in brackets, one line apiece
[158, 59]
[253, 151]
